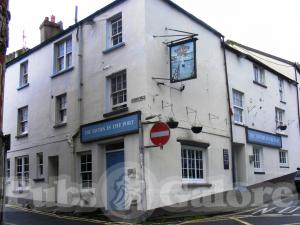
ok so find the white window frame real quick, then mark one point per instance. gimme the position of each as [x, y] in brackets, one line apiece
[22, 120]
[283, 158]
[87, 172]
[259, 74]
[189, 169]
[279, 117]
[63, 58]
[236, 107]
[22, 172]
[40, 164]
[258, 162]
[116, 20]
[61, 109]
[119, 92]
[281, 89]
[23, 74]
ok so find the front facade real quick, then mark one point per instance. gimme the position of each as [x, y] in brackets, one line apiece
[81, 105]
[263, 92]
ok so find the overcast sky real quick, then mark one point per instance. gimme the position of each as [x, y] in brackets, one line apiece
[268, 25]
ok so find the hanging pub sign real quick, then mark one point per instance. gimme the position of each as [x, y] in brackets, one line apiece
[183, 60]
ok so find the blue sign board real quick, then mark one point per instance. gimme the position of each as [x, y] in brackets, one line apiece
[263, 138]
[104, 129]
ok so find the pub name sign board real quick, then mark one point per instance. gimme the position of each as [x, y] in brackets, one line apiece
[263, 138]
[110, 128]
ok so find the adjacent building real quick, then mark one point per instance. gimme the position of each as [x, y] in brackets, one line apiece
[80, 107]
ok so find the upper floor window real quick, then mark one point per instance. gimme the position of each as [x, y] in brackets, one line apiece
[115, 30]
[23, 74]
[86, 170]
[281, 89]
[238, 106]
[22, 171]
[279, 117]
[259, 74]
[23, 120]
[193, 164]
[61, 106]
[63, 55]
[118, 90]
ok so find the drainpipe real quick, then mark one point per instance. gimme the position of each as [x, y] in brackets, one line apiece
[142, 167]
[229, 112]
[296, 78]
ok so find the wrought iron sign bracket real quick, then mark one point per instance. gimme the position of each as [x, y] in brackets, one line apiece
[180, 89]
[184, 36]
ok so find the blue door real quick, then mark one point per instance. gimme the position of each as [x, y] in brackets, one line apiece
[115, 173]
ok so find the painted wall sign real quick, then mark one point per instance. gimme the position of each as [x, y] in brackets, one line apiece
[109, 128]
[226, 159]
[138, 99]
[183, 60]
[263, 138]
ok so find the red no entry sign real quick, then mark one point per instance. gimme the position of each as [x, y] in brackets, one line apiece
[160, 134]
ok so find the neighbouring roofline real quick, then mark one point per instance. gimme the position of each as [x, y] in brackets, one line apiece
[99, 12]
[252, 59]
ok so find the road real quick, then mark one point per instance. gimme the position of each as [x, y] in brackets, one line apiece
[18, 216]
[270, 214]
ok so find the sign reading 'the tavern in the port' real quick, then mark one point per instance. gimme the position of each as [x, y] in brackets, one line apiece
[109, 128]
[263, 138]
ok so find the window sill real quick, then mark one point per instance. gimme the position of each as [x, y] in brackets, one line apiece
[115, 112]
[284, 167]
[108, 50]
[282, 134]
[22, 135]
[23, 86]
[60, 125]
[260, 173]
[37, 180]
[283, 102]
[21, 191]
[196, 184]
[259, 84]
[239, 124]
[62, 72]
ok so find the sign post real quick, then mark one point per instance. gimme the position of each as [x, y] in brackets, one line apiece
[160, 134]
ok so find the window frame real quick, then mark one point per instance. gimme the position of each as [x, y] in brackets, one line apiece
[281, 89]
[286, 158]
[238, 107]
[23, 74]
[260, 158]
[22, 176]
[40, 164]
[66, 56]
[61, 109]
[194, 180]
[110, 35]
[259, 74]
[89, 173]
[279, 122]
[24, 122]
[122, 92]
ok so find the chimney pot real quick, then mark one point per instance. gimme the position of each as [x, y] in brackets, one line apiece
[47, 18]
[53, 19]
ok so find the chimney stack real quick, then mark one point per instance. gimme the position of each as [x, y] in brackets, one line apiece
[50, 28]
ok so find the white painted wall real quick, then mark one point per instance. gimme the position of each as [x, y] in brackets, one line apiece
[259, 113]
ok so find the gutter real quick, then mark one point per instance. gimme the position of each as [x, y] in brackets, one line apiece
[296, 78]
[229, 112]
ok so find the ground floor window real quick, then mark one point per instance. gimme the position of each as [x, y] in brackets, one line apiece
[86, 170]
[22, 168]
[193, 164]
[283, 158]
[8, 169]
[258, 159]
